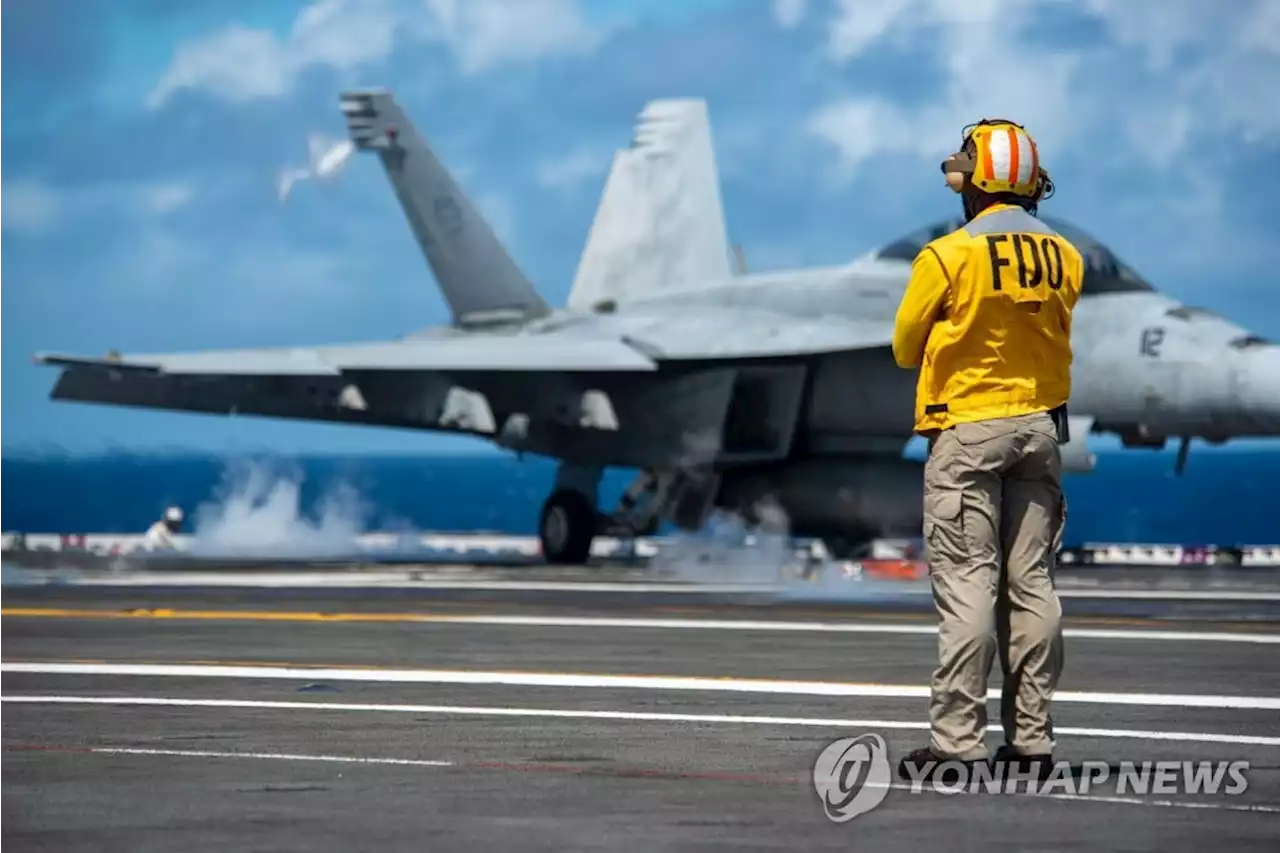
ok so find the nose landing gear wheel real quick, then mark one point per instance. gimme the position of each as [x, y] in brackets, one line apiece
[566, 529]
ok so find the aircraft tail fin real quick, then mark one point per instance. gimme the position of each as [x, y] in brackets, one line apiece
[478, 278]
[660, 221]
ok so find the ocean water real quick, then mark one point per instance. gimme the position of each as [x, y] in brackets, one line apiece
[1222, 498]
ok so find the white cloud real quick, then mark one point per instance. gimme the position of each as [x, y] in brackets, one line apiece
[1118, 113]
[143, 201]
[573, 168]
[1201, 74]
[861, 23]
[1262, 29]
[1222, 66]
[1159, 36]
[788, 13]
[486, 33]
[235, 64]
[161, 199]
[239, 64]
[988, 71]
[28, 206]
[33, 206]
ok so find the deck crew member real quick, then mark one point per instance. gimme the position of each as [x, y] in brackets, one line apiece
[160, 535]
[986, 318]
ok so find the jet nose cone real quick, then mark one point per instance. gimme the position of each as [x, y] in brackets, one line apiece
[1258, 381]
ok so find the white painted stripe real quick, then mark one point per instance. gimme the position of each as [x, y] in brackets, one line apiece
[897, 786]
[998, 146]
[631, 716]
[608, 681]
[1171, 594]
[1024, 157]
[831, 627]
[275, 756]
[1167, 804]
[401, 580]
[854, 592]
[1118, 800]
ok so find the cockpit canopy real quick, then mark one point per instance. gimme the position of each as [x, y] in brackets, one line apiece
[1192, 314]
[1104, 272]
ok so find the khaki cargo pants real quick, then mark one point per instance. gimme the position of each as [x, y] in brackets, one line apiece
[993, 518]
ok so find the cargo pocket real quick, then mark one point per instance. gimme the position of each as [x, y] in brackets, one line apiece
[944, 532]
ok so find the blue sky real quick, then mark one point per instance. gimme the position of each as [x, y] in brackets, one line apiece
[145, 139]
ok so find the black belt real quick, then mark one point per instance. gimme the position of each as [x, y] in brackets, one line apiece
[1061, 421]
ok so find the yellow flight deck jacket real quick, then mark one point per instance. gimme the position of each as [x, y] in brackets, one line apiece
[986, 316]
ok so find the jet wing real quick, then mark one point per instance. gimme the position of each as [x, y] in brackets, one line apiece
[747, 333]
[230, 362]
[470, 382]
[635, 345]
[501, 353]
[426, 384]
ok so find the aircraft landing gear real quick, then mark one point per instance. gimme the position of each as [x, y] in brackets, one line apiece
[569, 521]
[567, 528]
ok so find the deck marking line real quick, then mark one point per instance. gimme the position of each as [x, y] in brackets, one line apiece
[276, 756]
[897, 786]
[609, 622]
[798, 593]
[633, 716]
[590, 680]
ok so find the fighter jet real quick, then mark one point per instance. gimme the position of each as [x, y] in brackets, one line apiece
[722, 388]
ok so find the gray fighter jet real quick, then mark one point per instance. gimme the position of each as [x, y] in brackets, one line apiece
[724, 389]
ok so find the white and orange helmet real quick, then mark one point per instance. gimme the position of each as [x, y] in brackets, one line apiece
[999, 157]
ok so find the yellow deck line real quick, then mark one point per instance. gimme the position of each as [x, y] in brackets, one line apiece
[850, 621]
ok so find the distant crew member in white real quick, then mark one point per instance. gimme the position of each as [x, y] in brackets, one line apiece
[160, 535]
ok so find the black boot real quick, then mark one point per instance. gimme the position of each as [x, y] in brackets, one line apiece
[1041, 764]
[920, 760]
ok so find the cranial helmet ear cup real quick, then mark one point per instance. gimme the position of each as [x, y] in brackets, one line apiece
[956, 169]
